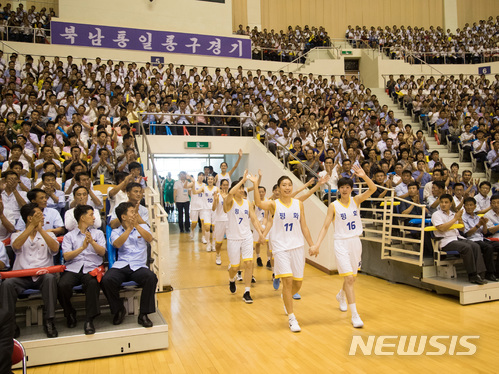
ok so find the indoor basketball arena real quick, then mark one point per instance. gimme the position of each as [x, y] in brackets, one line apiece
[249, 186]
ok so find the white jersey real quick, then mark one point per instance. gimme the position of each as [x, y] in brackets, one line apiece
[197, 199]
[221, 177]
[286, 227]
[208, 197]
[239, 221]
[260, 213]
[347, 223]
[220, 215]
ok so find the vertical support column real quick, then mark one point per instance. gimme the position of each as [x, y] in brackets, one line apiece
[450, 15]
[254, 13]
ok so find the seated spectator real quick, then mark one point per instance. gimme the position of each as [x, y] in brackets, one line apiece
[103, 169]
[480, 147]
[25, 184]
[467, 180]
[75, 159]
[482, 199]
[15, 156]
[12, 199]
[95, 199]
[437, 176]
[493, 217]
[34, 247]
[433, 201]
[130, 239]
[493, 157]
[135, 193]
[331, 170]
[56, 198]
[47, 155]
[83, 250]
[130, 156]
[420, 175]
[48, 167]
[80, 196]
[474, 229]
[402, 188]
[451, 240]
[70, 183]
[458, 197]
[101, 142]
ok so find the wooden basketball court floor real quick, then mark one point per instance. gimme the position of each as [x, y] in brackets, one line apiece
[212, 331]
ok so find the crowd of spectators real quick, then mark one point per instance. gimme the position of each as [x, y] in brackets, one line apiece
[284, 46]
[21, 25]
[471, 44]
[57, 142]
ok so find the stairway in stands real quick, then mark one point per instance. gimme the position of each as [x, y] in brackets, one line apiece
[448, 157]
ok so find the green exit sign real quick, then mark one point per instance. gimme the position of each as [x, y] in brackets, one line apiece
[197, 144]
[346, 52]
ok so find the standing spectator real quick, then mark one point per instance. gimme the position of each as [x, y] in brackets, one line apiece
[181, 198]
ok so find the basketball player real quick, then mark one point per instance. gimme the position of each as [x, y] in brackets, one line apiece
[261, 214]
[288, 230]
[197, 189]
[227, 175]
[207, 214]
[220, 218]
[239, 236]
[345, 215]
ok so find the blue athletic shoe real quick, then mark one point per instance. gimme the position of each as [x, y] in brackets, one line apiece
[276, 282]
[297, 296]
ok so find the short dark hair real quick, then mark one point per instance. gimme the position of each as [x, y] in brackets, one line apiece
[439, 184]
[132, 185]
[469, 199]
[79, 188]
[81, 210]
[28, 210]
[345, 181]
[494, 197]
[80, 174]
[446, 196]
[134, 165]
[122, 209]
[413, 184]
[31, 195]
[47, 175]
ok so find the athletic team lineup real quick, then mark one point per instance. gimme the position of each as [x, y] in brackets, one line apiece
[225, 210]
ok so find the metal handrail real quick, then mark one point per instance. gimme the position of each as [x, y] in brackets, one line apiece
[285, 161]
[304, 56]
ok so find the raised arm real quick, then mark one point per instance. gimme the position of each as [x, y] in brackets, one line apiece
[240, 153]
[360, 173]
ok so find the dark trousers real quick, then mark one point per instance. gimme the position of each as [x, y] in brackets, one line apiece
[46, 283]
[7, 327]
[488, 255]
[91, 288]
[470, 253]
[145, 278]
[183, 216]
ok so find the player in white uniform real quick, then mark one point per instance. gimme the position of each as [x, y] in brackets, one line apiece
[220, 218]
[197, 190]
[261, 215]
[207, 214]
[288, 230]
[345, 215]
[227, 175]
[239, 236]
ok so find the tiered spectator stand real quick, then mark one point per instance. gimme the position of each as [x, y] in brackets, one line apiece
[444, 273]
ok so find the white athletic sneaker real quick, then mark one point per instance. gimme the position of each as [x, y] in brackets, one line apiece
[203, 239]
[293, 325]
[342, 300]
[357, 322]
[239, 277]
[213, 249]
[208, 247]
[218, 260]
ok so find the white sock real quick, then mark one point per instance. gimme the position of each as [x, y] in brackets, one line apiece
[291, 316]
[247, 289]
[353, 309]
